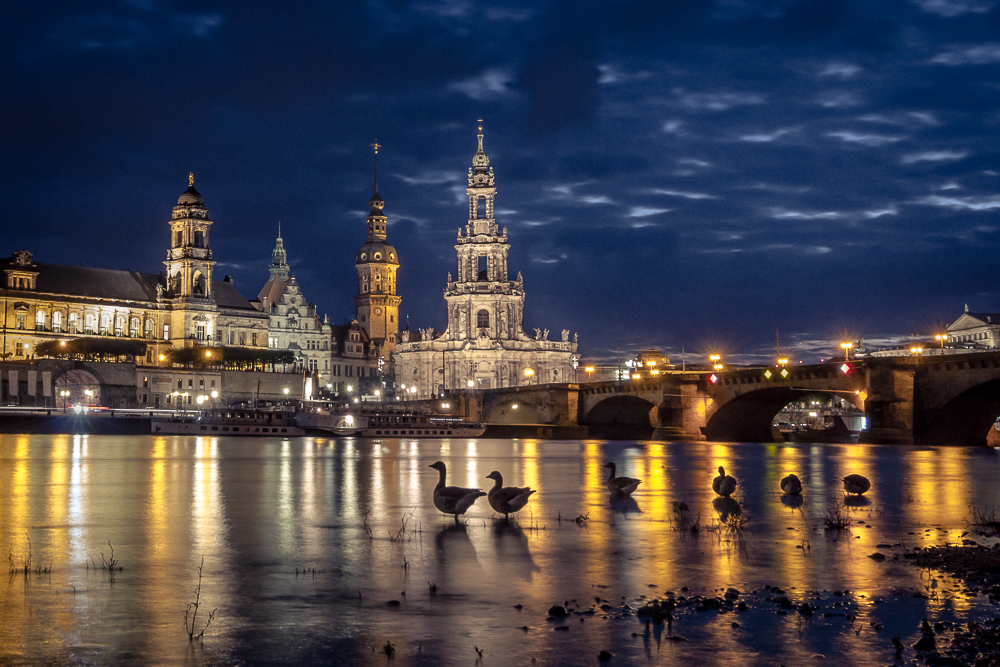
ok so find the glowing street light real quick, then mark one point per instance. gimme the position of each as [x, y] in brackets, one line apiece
[528, 372]
[590, 372]
[847, 350]
[916, 350]
[941, 338]
[782, 362]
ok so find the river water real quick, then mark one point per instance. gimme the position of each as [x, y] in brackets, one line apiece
[295, 577]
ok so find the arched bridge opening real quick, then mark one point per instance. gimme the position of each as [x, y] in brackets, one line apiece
[622, 417]
[964, 420]
[749, 417]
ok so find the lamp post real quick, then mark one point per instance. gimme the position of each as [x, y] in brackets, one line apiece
[716, 360]
[782, 362]
[847, 350]
[590, 372]
[528, 372]
[941, 338]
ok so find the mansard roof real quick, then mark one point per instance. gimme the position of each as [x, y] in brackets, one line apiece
[227, 296]
[86, 281]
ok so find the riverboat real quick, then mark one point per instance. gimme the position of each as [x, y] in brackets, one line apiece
[336, 423]
[416, 425]
[230, 421]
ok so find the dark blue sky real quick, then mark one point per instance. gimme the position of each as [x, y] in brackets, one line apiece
[673, 174]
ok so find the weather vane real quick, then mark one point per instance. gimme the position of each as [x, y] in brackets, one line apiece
[191, 179]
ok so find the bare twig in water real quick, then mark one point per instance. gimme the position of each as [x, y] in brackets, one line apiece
[110, 563]
[837, 518]
[191, 613]
[368, 529]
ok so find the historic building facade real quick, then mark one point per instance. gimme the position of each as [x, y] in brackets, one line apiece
[293, 322]
[484, 343]
[183, 307]
[975, 331]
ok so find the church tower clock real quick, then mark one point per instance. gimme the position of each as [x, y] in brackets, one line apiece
[377, 303]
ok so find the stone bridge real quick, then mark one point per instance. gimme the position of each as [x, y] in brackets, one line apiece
[947, 399]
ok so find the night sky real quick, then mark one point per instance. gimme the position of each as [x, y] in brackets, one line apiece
[671, 174]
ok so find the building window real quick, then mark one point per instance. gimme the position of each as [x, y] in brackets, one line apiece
[105, 324]
[166, 332]
[90, 324]
[19, 321]
[178, 239]
[147, 329]
[57, 322]
[243, 338]
[119, 325]
[253, 338]
[229, 333]
[190, 383]
[40, 320]
[133, 327]
[200, 331]
[199, 238]
[74, 322]
[483, 319]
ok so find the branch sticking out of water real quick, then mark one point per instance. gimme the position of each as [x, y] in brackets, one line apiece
[191, 613]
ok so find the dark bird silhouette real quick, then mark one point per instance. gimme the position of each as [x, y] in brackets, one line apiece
[724, 485]
[791, 485]
[620, 486]
[857, 484]
[452, 499]
[507, 500]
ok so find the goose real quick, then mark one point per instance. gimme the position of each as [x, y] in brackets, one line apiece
[507, 500]
[791, 485]
[452, 499]
[856, 484]
[724, 485]
[620, 486]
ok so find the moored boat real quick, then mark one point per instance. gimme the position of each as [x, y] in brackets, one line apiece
[230, 421]
[417, 425]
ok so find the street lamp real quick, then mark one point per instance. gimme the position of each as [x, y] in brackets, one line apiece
[528, 373]
[590, 372]
[941, 338]
[847, 350]
[782, 362]
[916, 350]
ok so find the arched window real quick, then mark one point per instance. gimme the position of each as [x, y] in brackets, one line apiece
[198, 285]
[40, 319]
[119, 325]
[483, 319]
[74, 323]
[147, 329]
[57, 321]
[105, 324]
[90, 323]
[133, 327]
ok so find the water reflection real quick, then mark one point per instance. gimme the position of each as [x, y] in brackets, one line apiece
[297, 577]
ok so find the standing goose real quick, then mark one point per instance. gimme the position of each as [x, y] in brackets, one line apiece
[452, 499]
[856, 484]
[791, 485]
[507, 500]
[724, 485]
[620, 486]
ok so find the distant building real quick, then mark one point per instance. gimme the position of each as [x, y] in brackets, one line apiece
[975, 330]
[484, 342]
[293, 322]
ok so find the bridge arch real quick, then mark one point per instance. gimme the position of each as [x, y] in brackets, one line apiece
[748, 417]
[965, 419]
[621, 416]
[78, 382]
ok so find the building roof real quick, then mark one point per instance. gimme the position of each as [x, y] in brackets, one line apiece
[969, 320]
[92, 282]
[226, 296]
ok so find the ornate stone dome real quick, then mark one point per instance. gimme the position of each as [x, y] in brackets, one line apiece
[377, 252]
[190, 197]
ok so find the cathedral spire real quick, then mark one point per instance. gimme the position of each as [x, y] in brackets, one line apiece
[375, 203]
[480, 160]
[279, 258]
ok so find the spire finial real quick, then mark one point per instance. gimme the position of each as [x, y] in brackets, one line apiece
[480, 135]
[191, 179]
[279, 229]
[376, 146]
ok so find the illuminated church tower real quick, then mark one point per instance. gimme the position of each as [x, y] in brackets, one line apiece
[484, 345]
[189, 270]
[377, 303]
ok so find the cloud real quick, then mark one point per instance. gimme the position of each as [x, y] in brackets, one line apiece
[686, 195]
[962, 203]
[933, 156]
[951, 8]
[672, 126]
[199, 25]
[718, 101]
[925, 117]
[642, 225]
[641, 212]
[765, 138]
[596, 199]
[878, 213]
[840, 70]
[491, 83]
[431, 178]
[984, 54]
[799, 215]
[873, 140]
[838, 100]
[694, 161]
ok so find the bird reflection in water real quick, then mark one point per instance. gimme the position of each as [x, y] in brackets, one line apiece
[857, 501]
[624, 503]
[513, 555]
[726, 507]
[794, 502]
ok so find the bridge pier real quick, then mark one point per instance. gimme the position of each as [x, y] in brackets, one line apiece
[682, 414]
[889, 405]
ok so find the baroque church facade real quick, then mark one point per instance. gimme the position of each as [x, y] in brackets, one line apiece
[484, 345]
